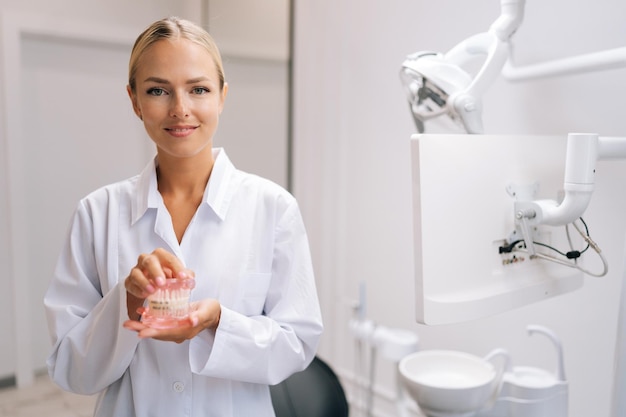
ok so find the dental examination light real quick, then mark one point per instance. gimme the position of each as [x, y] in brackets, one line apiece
[437, 84]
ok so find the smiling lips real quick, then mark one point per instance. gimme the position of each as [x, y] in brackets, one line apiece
[180, 131]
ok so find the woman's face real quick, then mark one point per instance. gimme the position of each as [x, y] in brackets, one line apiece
[178, 97]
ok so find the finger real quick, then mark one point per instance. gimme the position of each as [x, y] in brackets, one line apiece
[138, 284]
[177, 334]
[206, 313]
[186, 274]
[168, 272]
[150, 266]
[134, 325]
[194, 318]
[170, 261]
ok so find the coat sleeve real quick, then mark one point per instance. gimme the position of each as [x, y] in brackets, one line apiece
[268, 348]
[91, 349]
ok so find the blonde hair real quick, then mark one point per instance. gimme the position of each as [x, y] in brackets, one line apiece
[172, 28]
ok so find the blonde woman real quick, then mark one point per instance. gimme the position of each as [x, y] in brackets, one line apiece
[190, 214]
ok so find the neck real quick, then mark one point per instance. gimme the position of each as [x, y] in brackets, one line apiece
[184, 177]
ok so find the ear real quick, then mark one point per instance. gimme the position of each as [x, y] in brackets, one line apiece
[133, 100]
[223, 93]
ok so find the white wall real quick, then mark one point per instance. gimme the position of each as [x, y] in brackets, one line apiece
[254, 39]
[352, 172]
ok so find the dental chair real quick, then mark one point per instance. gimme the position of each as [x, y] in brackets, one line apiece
[314, 392]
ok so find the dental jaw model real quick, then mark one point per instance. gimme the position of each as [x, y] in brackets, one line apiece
[168, 306]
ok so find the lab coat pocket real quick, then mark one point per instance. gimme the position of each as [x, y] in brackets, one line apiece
[252, 293]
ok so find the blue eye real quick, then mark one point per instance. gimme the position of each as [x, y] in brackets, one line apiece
[156, 91]
[200, 90]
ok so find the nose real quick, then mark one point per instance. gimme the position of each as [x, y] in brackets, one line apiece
[179, 106]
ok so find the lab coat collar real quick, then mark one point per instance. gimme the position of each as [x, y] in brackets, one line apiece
[217, 195]
[221, 186]
[146, 194]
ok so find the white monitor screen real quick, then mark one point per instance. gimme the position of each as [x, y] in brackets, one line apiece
[463, 197]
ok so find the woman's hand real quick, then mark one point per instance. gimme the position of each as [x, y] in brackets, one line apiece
[150, 272]
[204, 314]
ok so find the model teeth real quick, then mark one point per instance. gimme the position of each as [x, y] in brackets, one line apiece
[169, 303]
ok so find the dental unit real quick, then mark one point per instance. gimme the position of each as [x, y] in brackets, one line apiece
[441, 85]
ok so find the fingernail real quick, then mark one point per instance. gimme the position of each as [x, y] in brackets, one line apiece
[160, 281]
[150, 289]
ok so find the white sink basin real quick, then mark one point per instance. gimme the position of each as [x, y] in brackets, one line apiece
[448, 383]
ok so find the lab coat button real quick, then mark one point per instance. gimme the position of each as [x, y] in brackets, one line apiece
[178, 386]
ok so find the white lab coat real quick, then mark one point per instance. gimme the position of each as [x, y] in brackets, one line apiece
[249, 249]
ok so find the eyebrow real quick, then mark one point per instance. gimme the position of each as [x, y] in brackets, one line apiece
[164, 81]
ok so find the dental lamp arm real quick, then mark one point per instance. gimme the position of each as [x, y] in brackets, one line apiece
[603, 60]
[467, 103]
[511, 16]
[495, 45]
[510, 19]
[580, 164]
[464, 52]
[610, 147]
[508, 22]
[583, 150]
